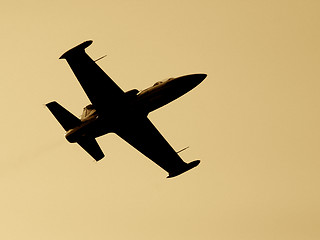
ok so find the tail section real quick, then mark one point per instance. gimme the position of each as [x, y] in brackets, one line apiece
[68, 121]
[91, 146]
[64, 117]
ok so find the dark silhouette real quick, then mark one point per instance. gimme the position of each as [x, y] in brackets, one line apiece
[124, 113]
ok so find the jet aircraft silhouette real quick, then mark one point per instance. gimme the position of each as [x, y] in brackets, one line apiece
[123, 113]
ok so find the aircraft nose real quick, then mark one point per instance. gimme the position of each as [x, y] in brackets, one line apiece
[199, 77]
[191, 80]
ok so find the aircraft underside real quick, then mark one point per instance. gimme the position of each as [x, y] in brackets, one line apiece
[124, 113]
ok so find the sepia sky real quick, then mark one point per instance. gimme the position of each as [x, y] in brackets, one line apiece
[253, 122]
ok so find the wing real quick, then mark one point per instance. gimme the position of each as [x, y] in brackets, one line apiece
[144, 136]
[99, 87]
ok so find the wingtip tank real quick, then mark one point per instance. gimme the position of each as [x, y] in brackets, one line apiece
[185, 169]
[76, 49]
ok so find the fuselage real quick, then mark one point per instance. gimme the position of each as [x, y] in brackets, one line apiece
[135, 105]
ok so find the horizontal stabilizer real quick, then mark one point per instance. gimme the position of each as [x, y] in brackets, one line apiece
[187, 167]
[91, 146]
[64, 117]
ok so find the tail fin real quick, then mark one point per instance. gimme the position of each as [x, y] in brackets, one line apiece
[64, 117]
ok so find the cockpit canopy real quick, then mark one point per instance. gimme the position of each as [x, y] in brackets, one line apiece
[157, 83]
[154, 85]
[160, 82]
[88, 111]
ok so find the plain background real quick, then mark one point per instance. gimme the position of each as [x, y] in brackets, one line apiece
[254, 121]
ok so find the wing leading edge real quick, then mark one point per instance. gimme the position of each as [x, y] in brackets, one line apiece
[99, 87]
[144, 136]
